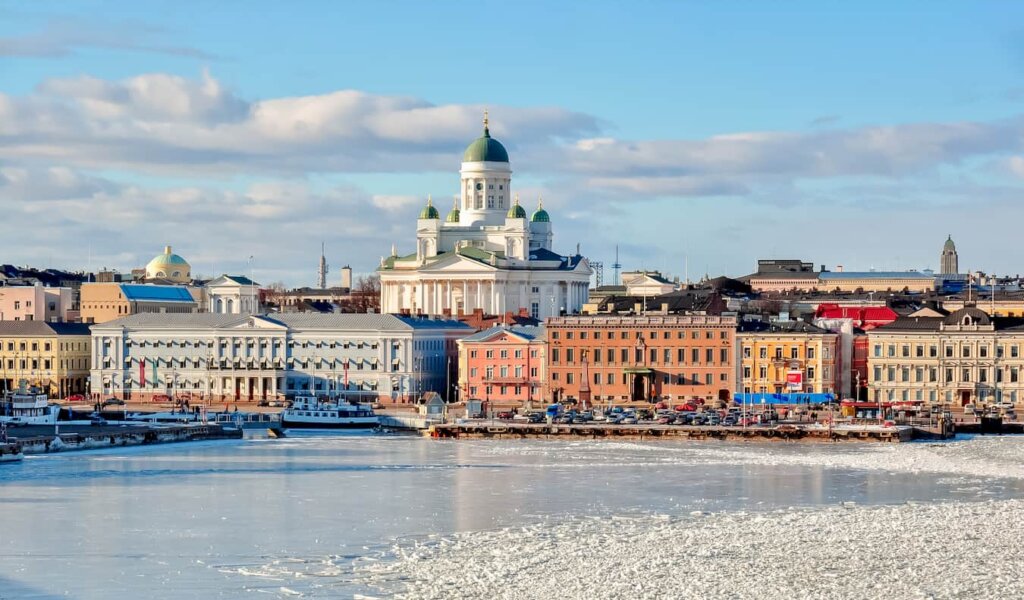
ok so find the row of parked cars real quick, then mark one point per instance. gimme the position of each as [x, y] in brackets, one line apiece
[629, 416]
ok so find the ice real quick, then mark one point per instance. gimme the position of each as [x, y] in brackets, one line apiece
[945, 550]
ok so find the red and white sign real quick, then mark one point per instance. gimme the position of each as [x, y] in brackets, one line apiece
[795, 379]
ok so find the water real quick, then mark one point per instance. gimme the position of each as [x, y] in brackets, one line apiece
[310, 516]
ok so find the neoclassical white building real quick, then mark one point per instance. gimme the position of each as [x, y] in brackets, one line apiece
[487, 254]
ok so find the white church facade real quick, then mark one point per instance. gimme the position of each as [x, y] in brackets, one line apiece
[486, 254]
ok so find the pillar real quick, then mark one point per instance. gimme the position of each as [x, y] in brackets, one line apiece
[478, 301]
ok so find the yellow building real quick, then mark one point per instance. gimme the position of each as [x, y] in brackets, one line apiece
[102, 302]
[965, 357]
[787, 357]
[52, 356]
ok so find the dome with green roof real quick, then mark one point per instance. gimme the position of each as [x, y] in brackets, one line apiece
[485, 148]
[169, 266]
[516, 212]
[453, 215]
[429, 212]
[540, 215]
[949, 245]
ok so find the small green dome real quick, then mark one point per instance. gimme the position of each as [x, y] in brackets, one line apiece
[540, 215]
[429, 212]
[485, 148]
[516, 212]
[453, 215]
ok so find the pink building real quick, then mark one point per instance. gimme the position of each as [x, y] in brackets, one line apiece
[36, 303]
[503, 365]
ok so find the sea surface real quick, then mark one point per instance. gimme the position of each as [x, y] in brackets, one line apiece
[367, 516]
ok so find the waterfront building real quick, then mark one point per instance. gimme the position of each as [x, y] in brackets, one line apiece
[37, 303]
[488, 253]
[102, 302]
[788, 357]
[232, 295]
[52, 356]
[227, 357]
[616, 358]
[504, 365]
[964, 357]
[851, 322]
[949, 260]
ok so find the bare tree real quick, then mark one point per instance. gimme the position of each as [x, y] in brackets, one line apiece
[364, 296]
[273, 294]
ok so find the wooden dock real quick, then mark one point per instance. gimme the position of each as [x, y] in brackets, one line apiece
[41, 439]
[783, 432]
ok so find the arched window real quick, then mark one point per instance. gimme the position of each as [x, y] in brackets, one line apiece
[220, 306]
[231, 306]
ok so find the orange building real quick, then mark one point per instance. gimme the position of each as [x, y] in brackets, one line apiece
[641, 358]
[503, 365]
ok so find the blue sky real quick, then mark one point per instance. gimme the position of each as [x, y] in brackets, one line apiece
[708, 134]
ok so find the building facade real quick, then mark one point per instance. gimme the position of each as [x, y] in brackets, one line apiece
[641, 358]
[486, 254]
[233, 295]
[222, 357]
[504, 365]
[102, 302]
[52, 356]
[964, 357]
[788, 357]
[36, 303]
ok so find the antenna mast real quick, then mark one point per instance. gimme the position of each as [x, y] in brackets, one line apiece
[616, 266]
[322, 271]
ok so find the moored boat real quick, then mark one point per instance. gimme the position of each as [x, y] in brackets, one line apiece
[309, 412]
[28, 407]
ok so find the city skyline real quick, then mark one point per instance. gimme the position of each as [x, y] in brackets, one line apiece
[725, 137]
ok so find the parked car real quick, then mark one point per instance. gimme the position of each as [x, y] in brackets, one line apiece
[535, 417]
[729, 421]
[505, 415]
[113, 402]
[161, 398]
[75, 398]
[697, 420]
[630, 420]
[665, 420]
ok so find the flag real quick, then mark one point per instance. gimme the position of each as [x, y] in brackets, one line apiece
[142, 373]
[346, 374]
[156, 378]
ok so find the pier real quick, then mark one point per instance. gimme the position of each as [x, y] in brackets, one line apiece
[783, 432]
[40, 439]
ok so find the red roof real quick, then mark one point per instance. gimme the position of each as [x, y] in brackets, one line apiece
[865, 317]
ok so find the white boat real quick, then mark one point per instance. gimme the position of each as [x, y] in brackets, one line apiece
[309, 412]
[28, 408]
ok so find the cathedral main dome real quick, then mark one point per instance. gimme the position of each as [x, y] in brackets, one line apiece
[485, 149]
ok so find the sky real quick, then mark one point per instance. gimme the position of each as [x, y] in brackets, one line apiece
[696, 137]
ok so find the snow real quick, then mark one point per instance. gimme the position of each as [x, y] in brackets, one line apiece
[945, 550]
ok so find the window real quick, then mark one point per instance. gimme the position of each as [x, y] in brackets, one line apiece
[794, 352]
[778, 353]
[746, 352]
[472, 353]
[668, 355]
[933, 351]
[949, 351]
[569, 355]
[763, 372]
[877, 374]
[489, 354]
[535, 309]
[723, 355]
[810, 372]
[709, 355]
[949, 375]
[569, 378]
[746, 372]
[504, 354]
[966, 375]
[966, 352]
[707, 378]
[554, 355]
[695, 355]
[810, 352]
[878, 351]
[905, 351]
[891, 350]
[1014, 351]
[919, 351]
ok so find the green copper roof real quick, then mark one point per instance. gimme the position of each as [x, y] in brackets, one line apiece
[429, 212]
[485, 149]
[453, 216]
[516, 212]
[540, 215]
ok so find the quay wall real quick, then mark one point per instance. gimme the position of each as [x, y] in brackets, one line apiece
[134, 436]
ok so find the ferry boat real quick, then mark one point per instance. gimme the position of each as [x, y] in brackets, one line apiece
[309, 412]
[28, 407]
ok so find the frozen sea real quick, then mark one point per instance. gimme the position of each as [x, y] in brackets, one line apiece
[363, 516]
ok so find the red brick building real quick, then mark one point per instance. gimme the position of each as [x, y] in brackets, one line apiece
[636, 358]
[503, 365]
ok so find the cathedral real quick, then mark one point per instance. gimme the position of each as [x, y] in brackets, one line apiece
[487, 253]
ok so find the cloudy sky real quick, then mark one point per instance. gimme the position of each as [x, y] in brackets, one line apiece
[695, 136]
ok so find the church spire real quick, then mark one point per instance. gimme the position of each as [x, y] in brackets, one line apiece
[487, 129]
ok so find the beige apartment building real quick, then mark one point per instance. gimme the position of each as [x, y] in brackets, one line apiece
[787, 357]
[965, 357]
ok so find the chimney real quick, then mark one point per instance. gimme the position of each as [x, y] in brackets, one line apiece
[839, 268]
[638, 308]
[823, 268]
[664, 308]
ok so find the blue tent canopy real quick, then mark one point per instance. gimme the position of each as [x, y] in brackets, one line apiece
[793, 398]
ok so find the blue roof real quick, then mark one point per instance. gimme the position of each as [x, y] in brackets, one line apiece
[431, 323]
[155, 293]
[875, 275]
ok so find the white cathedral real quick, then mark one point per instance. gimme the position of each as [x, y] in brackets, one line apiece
[486, 254]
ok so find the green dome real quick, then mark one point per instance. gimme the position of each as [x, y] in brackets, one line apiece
[429, 212]
[516, 212]
[485, 148]
[540, 215]
[949, 245]
[453, 215]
